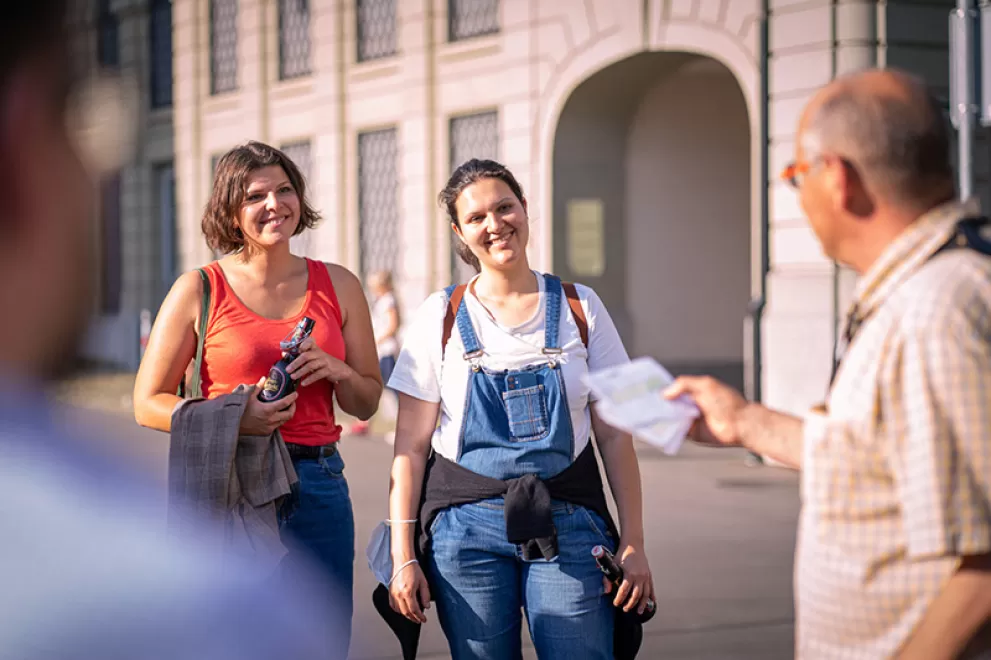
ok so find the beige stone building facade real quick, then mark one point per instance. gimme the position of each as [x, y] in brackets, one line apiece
[136, 229]
[648, 135]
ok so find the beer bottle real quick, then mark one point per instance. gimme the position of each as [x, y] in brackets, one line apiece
[279, 383]
[613, 572]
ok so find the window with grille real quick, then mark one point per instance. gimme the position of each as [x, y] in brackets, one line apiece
[111, 280]
[472, 18]
[471, 136]
[223, 46]
[294, 39]
[108, 36]
[299, 152]
[377, 29]
[161, 53]
[167, 252]
[378, 201]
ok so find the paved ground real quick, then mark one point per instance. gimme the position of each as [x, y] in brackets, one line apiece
[720, 537]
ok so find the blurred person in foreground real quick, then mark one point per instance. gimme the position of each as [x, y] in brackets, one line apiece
[895, 530]
[85, 569]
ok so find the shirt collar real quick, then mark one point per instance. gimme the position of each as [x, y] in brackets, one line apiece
[912, 248]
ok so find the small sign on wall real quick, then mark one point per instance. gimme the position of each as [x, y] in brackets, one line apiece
[586, 237]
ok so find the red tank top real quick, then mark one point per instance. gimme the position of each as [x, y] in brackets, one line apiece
[241, 346]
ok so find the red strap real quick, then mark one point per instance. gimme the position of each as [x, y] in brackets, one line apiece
[452, 310]
[575, 303]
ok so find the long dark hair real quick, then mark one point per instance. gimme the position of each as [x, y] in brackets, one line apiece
[465, 175]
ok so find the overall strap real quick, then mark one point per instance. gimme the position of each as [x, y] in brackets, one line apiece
[194, 386]
[552, 324]
[455, 294]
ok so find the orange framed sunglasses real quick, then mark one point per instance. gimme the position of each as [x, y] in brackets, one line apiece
[795, 172]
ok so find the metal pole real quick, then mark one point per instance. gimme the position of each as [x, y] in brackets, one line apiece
[963, 60]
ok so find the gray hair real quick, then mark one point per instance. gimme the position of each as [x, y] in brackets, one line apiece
[899, 143]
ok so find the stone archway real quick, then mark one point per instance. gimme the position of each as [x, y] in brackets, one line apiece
[654, 152]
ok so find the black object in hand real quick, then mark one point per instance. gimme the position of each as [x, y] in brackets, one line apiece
[614, 573]
[279, 383]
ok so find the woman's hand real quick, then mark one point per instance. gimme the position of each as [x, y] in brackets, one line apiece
[313, 364]
[260, 418]
[408, 590]
[638, 585]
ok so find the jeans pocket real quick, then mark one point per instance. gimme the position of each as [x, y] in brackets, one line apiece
[333, 466]
[436, 521]
[598, 527]
[526, 409]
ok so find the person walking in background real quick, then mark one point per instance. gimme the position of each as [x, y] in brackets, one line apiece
[86, 571]
[259, 292]
[386, 325]
[512, 497]
[894, 548]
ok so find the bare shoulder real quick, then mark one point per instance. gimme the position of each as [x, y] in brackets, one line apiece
[347, 288]
[344, 280]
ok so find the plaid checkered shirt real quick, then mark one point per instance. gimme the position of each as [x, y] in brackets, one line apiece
[896, 478]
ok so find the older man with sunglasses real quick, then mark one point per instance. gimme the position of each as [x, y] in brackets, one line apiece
[895, 532]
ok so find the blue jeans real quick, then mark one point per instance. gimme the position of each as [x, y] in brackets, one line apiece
[323, 525]
[480, 583]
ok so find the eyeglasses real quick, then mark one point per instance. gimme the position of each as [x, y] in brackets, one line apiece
[794, 173]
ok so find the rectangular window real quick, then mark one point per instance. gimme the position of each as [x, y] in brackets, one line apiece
[300, 154]
[161, 53]
[111, 280]
[471, 136]
[163, 177]
[223, 46]
[294, 39]
[376, 29]
[471, 18]
[108, 36]
[378, 200]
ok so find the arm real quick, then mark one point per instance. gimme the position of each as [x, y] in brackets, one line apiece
[171, 346]
[942, 468]
[962, 607]
[771, 433]
[414, 429]
[728, 420]
[359, 391]
[623, 473]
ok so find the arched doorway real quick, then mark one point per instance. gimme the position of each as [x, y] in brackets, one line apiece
[652, 206]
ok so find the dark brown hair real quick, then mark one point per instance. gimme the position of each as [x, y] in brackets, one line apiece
[230, 185]
[465, 175]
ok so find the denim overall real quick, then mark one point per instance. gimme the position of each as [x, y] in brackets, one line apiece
[517, 422]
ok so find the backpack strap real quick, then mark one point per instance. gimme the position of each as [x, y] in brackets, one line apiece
[456, 293]
[454, 296]
[194, 386]
[575, 303]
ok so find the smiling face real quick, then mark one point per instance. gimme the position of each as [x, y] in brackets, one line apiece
[270, 211]
[492, 223]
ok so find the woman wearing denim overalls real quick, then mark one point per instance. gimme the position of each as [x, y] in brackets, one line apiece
[508, 390]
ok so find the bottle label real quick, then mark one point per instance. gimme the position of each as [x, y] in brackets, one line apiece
[274, 385]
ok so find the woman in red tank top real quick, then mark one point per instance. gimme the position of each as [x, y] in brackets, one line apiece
[259, 291]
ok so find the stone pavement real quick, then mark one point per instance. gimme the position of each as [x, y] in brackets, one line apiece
[720, 537]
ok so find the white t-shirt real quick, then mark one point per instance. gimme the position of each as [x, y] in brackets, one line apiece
[380, 321]
[422, 373]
